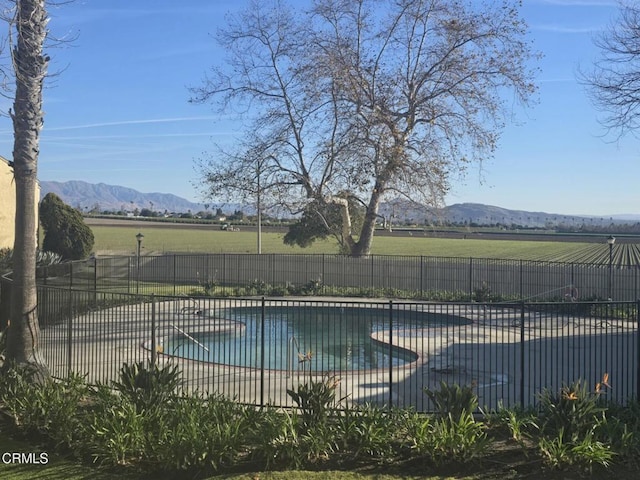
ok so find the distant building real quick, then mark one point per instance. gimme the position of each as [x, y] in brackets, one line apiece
[8, 204]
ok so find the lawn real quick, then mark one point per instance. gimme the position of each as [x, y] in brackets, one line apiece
[122, 240]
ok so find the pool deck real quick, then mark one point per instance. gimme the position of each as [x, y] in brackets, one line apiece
[486, 352]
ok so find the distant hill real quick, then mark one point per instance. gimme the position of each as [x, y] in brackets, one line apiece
[406, 213]
[87, 196]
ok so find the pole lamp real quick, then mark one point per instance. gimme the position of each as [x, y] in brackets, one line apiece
[610, 241]
[139, 238]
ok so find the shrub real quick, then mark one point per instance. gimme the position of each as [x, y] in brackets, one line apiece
[559, 451]
[482, 293]
[575, 427]
[315, 400]
[148, 386]
[65, 232]
[280, 443]
[142, 423]
[287, 442]
[573, 410]
[44, 410]
[447, 440]
[115, 431]
[203, 433]
[520, 423]
[370, 431]
[45, 259]
[453, 399]
[258, 287]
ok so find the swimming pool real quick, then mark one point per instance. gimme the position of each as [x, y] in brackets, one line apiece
[312, 338]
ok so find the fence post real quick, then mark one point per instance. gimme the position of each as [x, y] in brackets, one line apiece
[154, 349]
[174, 274]
[521, 281]
[262, 312]
[69, 369]
[470, 278]
[522, 342]
[372, 274]
[573, 281]
[224, 269]
[421, 276]
[69, 340]
[324, 280]
[271, 268]
[390, 354]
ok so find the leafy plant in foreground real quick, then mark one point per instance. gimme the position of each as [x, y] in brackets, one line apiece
[574, 425]
[453, 399]
[574, 409]
[45, 409]
[316, 400]
[559, 451]
[521, 424]
[369, 431]
[203, 433]
[447, 440]
[148, 386]
[115, 431]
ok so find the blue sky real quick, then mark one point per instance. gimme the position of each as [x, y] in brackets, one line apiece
[117, 109]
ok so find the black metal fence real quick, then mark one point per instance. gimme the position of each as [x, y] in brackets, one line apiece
[464, 277]
[386, 352]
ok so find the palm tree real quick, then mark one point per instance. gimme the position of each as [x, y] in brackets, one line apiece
[30, 67]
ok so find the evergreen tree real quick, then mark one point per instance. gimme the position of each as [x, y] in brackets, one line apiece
[65, 232]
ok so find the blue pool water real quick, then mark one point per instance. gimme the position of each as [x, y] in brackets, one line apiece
[313, 338]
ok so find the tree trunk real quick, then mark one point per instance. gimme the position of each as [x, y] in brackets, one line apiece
[30, 70]
[362, 248]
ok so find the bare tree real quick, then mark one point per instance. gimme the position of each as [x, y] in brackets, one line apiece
[363, 100]
[30, 68]
[614, 82]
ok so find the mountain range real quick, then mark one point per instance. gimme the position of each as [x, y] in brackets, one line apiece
[101, 197]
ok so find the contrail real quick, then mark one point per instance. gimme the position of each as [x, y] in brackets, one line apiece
[132, 122]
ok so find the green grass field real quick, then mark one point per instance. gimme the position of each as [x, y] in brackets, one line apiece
[121, 240]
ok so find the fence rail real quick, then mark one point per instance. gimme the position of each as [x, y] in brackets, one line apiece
[386, 352]
[468, 277]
